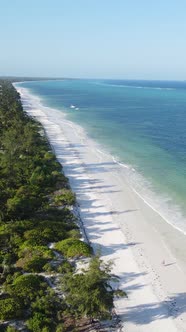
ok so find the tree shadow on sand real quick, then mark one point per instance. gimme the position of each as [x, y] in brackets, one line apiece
[146, 313]
[107, 213]
[112, 248]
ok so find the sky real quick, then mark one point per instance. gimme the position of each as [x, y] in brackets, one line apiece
[122, 39]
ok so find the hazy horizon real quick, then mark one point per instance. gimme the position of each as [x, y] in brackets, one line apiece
[90, 78]
[99, 39]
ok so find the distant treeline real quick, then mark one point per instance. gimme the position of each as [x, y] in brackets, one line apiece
[39, 236]
[27, 78]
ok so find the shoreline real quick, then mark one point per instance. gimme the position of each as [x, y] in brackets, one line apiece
[126, 229]
[171, 210]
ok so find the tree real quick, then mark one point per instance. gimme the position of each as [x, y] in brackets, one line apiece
[11, 329]
[32, 264]
[64, 197]
[10, 308]
[27, 287]
[46, 304]
[39, 323]
[72, 247]
[90, 293]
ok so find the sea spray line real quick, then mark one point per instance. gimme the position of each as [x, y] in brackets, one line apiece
[139, 194]
[160, 214]
[132, 86]
[146, 201]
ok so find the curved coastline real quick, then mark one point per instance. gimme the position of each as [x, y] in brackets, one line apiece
[162, 199]
[106, 201]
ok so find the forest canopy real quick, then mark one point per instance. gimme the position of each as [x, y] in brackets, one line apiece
[40, 240]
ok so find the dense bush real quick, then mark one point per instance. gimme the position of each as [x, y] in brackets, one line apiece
[73, 248]
[74, 233]
[29, 171]
[45, 309]
[27, 287]
[11, 329]
[10, 308]
[64, 197]
[39, 323]
[34, 258]
[90, 293]
[45, 232]
[65, 267]
[35, 237]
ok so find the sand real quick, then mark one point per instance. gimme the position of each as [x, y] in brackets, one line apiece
[149, 255]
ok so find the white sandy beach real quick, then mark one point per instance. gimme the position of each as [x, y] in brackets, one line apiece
[149, 254]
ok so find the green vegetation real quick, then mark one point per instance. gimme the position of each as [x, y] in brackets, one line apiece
[11, 329]
[10, 308]
[32, 187]
[33, 259]
[73, 248]
[26, 287]
[89, 293]
[64, 197]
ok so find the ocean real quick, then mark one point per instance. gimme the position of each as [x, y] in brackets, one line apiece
[141, 124]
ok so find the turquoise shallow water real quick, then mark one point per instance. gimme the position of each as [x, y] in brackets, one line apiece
[141, 123]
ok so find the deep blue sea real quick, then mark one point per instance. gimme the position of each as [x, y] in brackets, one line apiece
[141, 123]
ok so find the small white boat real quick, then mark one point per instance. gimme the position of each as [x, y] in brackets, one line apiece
[72, 106]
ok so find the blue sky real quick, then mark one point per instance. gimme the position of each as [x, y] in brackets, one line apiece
[143, 39]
